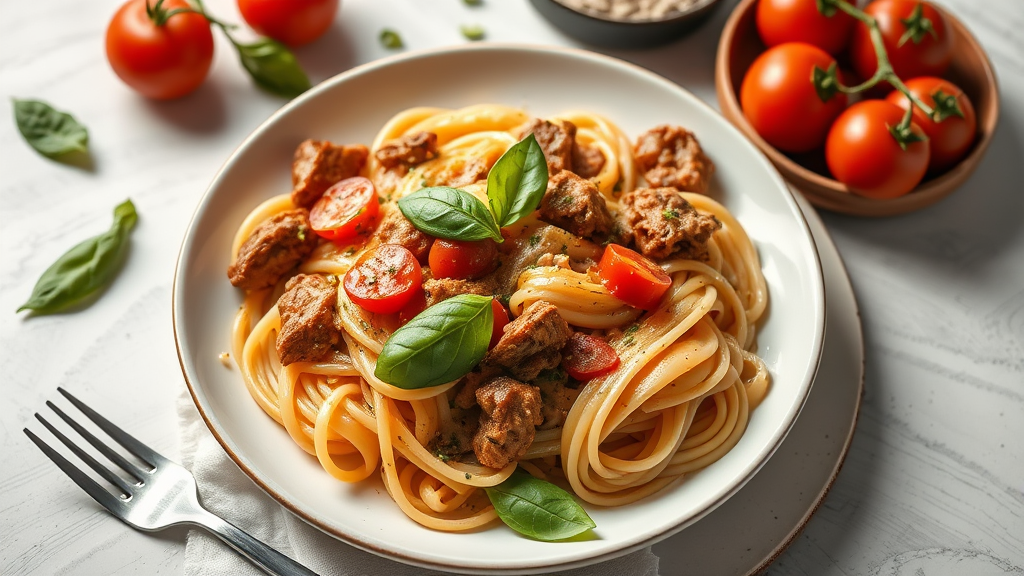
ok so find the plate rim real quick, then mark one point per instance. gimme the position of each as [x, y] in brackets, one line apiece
[621, 548]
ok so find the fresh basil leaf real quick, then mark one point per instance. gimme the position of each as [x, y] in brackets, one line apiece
[51, 132]
[449, 213]
[538, 509]
[85, 268]
[517, 181]
[273, 67]
[442, 343]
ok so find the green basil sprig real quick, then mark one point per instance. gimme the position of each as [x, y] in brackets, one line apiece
[273, 67]
[442, 343]
[84, 269]
[51, 132]
[515, 186]
[538, 509]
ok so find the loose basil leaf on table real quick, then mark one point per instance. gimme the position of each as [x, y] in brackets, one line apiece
[85, 268]
[538, 509]
[273, 67]
[51, 132]
[442, 343]
[449, 213]
[517, 181]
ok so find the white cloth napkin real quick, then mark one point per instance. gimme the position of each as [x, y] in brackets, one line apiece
[225, 490]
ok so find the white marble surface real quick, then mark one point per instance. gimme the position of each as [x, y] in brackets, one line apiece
[934, 482]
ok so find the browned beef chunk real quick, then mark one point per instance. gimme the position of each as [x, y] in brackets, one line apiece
[556, 140]
[309, 321]
[319, 164]
[466, 396]
[665, 224]
[408, 150]
[455, 438]
[274, 248]
[587, 161]
[531, 342]
[574, 203]
[671, 156]
[469, 172]
[511, 413]
[395, 228]
[556, 397]
[441, 289]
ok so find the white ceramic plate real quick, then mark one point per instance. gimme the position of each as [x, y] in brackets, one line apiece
[351, 108]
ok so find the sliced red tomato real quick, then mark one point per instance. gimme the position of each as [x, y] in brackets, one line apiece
[585, 357]
[346, 210]
[632, 278]
[461, 259]
[500, 321]
[384, 279]
[951, 138]
[416, 304]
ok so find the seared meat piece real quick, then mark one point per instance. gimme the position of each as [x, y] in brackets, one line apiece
[395, 228]
[556, 397]
[531, 342]
[587, 161]
[466, 397]
[441, 289]
[557, 141]
[574, 203]
[408, 150]
[310, 325]
[273, 249]
[665, 224]
[671, 156]
[456, 437]
[471, 171]
[319, 164]
[511, 413]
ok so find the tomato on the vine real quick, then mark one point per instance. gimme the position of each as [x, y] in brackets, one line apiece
[781, 102]
[160, 53]
[951, 138]
[916, 36]
[294, 22]
[462, 259]
[632, 278]
[781, 21]
[347, 209]
[863, 153]
[384, 279]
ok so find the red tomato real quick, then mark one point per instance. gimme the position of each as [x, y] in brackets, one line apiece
[928, 56]
[294, 22]
[462, 259]
[951, 138]
[585, 357]
[384, 279]
[416, 304]
[781, 21]
[162, 61]
[632, 278]
[864, 155]
[500, 320]
[346, 209]
[780, 101]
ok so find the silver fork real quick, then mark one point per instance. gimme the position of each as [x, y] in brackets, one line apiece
[165, 495]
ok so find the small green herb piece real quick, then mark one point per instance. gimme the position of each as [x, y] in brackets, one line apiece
[51, 132]
[670, 214]
[538, 509]
[517, 181]
[390, 39]
[449, 213]
[472, 32]
[442, 343]
[273, 67]
[84, 269]
[473, 2]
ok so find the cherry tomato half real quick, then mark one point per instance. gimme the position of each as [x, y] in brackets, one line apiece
[294, 22]
[384, 279]
[462, 259]
[632, 278]
[500, 320]
[346, 209]
[159, 61]
[928, 55]
[951, 138]
[864, 155]
[780, 101]
[781, 21]
[585, 357]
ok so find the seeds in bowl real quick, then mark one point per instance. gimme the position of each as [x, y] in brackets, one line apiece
[631, 10]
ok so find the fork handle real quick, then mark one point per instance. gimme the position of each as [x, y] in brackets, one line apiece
[266, 558]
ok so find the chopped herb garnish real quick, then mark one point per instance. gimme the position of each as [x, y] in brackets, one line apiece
[534, 240]
[472, 2]
[390, 39]
[472, 32]
[392, 270]
[670, 214]
[301, 233]
[468, 475]
[565, 249]
[351, 250]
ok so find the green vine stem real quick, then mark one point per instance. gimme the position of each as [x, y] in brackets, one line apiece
[827, 81]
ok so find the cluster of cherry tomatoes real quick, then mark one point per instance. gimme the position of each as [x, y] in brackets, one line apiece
[163, 48]
[863, 143]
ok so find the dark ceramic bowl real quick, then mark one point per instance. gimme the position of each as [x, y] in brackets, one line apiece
[601, 31]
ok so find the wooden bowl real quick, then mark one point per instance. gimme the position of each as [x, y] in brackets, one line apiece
[808, 173]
